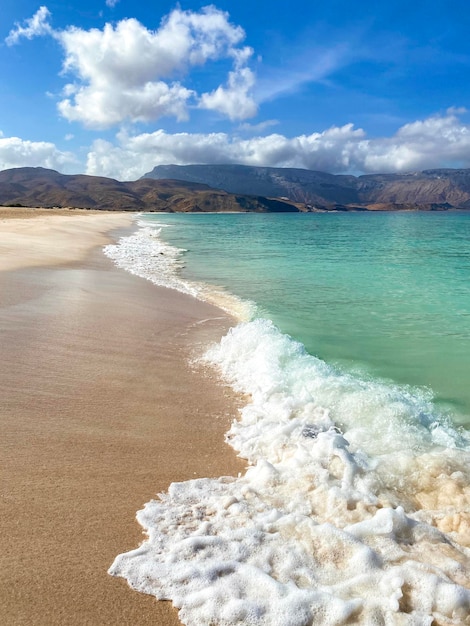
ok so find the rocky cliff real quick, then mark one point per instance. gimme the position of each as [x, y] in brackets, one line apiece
[430, 189]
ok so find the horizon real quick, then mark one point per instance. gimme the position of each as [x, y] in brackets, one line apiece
[114, 89]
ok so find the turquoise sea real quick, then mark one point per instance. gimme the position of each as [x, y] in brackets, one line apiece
[351, 345]
[383, 294]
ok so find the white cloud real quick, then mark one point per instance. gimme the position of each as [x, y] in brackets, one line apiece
[127, 72]
[105, 107]
[136, 155]
[16, 152]
[111, 3]
[438, 141]
[35, 26]
[234, 101]
[433, 142]
[133, 156]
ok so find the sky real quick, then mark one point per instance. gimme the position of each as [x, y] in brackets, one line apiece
[116, 87]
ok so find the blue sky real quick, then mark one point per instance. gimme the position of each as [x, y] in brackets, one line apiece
[114, 87]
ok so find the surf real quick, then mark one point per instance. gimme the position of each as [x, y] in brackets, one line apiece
[354, 507]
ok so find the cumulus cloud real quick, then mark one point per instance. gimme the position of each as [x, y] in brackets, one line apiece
[100, 108]
[433, 142]
[16, 152]
[234, 100]
[35, 26]
[127, 72]
[135, 155]
[438, 141]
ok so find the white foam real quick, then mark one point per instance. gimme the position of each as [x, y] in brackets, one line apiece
[355, 508]
[145, 254]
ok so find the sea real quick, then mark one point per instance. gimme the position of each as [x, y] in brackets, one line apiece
[351, 344]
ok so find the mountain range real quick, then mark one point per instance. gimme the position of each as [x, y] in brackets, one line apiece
[39, 187]
[229, 188]
[440, 188]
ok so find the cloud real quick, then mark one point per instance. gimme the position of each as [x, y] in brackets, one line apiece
[100, 108]
[35, 26]
[111, 3]
[135, 155]
[126, 72]
[234, 101]
[315, 65]
[16, 152]
[257, 128]
[438, 141]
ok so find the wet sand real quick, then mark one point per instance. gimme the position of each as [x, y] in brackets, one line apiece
[99, 411]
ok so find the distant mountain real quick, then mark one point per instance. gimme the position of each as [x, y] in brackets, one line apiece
[305, 186]
[229, 188]
[39, 187]
[430, 189]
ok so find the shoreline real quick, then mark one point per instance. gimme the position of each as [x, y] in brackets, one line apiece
[100, 411]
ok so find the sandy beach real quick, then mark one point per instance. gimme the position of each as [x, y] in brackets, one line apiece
[99, 412]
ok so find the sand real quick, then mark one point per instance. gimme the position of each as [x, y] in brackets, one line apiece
[99, 412]
[55, 237]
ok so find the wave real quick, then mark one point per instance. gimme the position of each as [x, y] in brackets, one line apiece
[147, 255]
[355, 507]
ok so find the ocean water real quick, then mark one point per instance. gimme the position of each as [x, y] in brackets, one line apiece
[353, 347]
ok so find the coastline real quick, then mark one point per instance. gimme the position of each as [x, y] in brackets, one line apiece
[100, 412]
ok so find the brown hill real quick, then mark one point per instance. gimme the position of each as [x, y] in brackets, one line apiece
[39, 187]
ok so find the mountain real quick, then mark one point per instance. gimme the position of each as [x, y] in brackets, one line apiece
[305, 186]
[235, 188]
[430, 189]
[39, 187]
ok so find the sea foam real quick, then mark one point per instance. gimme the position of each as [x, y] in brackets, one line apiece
[147, 255]
[354, 509]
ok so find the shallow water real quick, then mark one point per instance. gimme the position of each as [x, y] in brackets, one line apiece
[387, 294]
[356, 506]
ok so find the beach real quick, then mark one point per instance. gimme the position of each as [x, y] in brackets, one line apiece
[100, 411]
